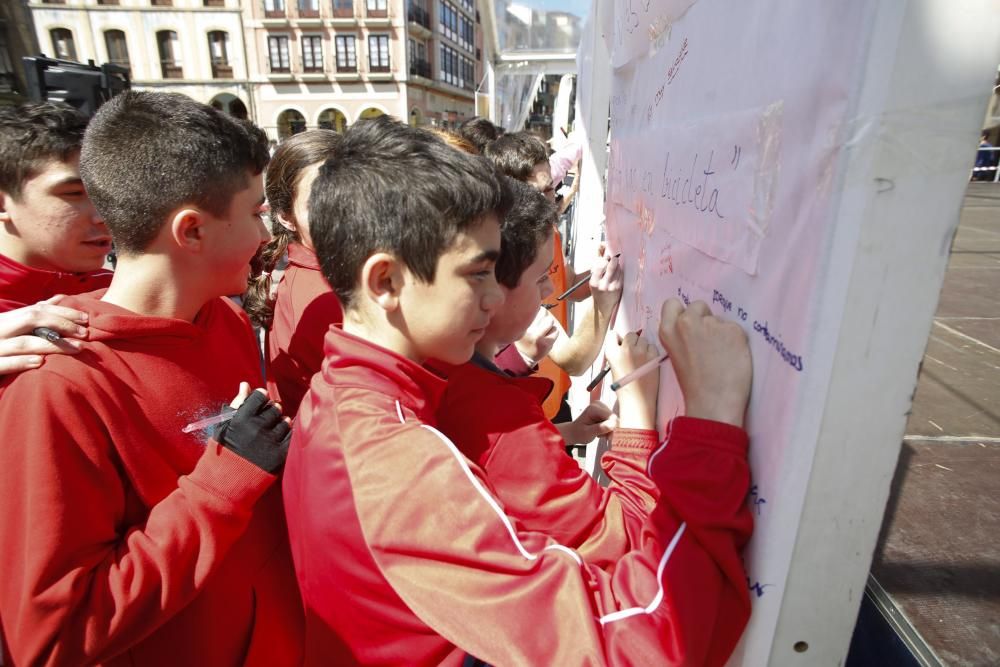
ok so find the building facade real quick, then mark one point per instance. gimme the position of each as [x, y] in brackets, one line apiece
[194, 47]
[287, 64]
[17, 39]
[328, 63]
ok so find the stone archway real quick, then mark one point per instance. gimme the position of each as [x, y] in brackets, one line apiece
[230, 104]
[371, 112]
[333, 119]
[290, 122]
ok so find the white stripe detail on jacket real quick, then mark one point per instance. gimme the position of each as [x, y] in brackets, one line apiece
[399, 412]
[493, 503]
[658, 598]
[663, 445]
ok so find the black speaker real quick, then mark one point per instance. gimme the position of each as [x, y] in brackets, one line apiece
[85, 87]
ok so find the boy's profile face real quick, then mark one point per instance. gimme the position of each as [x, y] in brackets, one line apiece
[541, 180]
[521, 303]
[446, 318]
[236, 237]
[53, 223]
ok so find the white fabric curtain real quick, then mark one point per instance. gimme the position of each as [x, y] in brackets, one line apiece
[515, 91]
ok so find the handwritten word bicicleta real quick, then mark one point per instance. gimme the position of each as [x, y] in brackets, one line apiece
[683, 191]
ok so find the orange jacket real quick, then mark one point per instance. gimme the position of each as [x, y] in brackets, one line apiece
[548, 368]
[404, 554]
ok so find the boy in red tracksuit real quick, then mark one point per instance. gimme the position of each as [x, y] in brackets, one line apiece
[52, 241]
[127, 541]
[498, 422]
[402, 550]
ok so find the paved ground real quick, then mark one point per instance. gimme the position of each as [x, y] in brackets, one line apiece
[939, 554]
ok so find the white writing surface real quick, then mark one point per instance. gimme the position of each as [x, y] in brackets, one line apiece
[726, 129]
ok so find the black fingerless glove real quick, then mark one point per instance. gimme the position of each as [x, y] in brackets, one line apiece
[257, 433]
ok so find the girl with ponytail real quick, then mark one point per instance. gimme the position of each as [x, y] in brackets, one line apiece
[304, 307]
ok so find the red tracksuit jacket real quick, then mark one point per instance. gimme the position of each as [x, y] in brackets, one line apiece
[404, 554]
[524, 457]
[22, 285]
[304, 309]
[125, 541]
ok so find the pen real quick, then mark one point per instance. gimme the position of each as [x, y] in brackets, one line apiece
[208, 421]
[607, 369]
[639, 372]
[600, 376]
[46, 333]
[577, 285]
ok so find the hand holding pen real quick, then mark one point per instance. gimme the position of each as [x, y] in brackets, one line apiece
[630, 356]
[254, 430]
[28, 334]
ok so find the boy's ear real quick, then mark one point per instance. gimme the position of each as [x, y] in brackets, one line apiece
[187, 228]
[381, 280]
[4, 203]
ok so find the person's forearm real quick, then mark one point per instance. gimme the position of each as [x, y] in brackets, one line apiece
[575, 354]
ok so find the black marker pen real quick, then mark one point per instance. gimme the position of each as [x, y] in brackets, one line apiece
[48, 334]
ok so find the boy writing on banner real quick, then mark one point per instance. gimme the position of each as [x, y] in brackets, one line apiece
[126, 540]
[498, 423]
[402, 550]
[524, 157]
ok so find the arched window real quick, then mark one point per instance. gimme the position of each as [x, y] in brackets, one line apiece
[333, 119]
[62, 43]
[170, 54]
[114, 40]
[290, 122]
[218, 51]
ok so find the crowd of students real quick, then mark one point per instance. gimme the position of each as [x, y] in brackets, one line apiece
[400, 492]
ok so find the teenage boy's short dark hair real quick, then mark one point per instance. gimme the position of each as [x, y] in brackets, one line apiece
[146, 154]
[397, 189]
[479, 132]
[530, 220]
[517, 154]
[32, 134]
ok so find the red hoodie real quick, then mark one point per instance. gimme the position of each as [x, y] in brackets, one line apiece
[404, 555]
[124, 540]
[304, 309]
[498, 423]
[22, 285]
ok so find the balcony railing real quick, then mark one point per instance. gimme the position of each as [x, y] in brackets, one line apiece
[418, 14]
[275, 13]
[347, 69]
[377, 13]
[420, 67]
[213, 3]
[280, 69]
[171, 70]
[222, 70]
[378, 69]
[312, 69]
[308, 13]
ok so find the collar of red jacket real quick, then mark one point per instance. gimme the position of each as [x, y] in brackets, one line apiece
[302, 256]
[33, 284]
[355, 362]
[480, 370]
